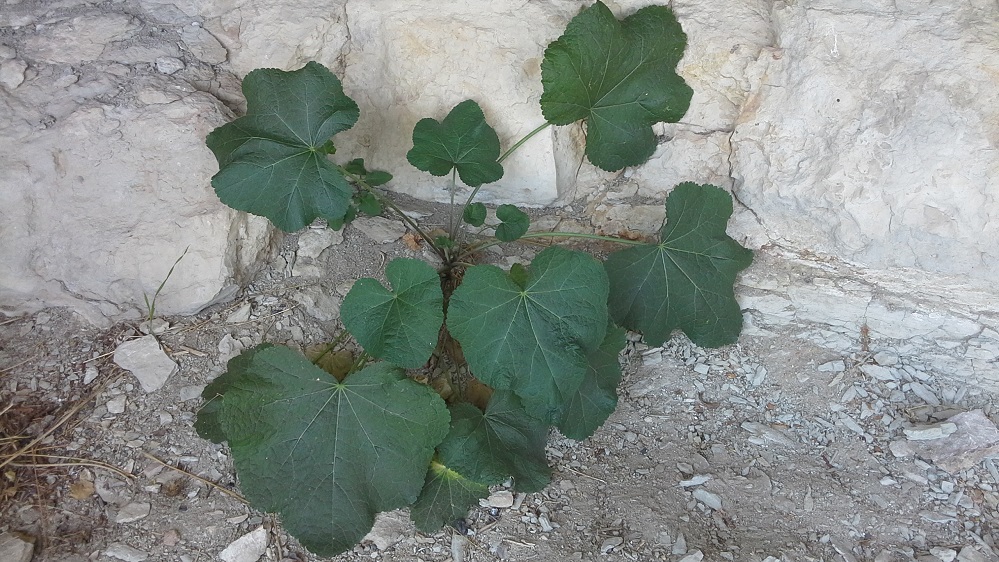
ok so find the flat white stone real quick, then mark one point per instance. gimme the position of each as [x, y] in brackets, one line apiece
[125, 553]
[145, 359]
[247, 548]
[15, 548]
[132, 512]
[930, 432]
[707, 498]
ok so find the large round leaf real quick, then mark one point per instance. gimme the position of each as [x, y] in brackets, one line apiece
[463, 141]
[596, 398]
[530, 331]
[620, 76]
[326, 456]
[686, 280]
[401, 325]
[273, 161]
[447, 495]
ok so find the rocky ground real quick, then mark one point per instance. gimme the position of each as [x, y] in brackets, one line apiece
[769, 450]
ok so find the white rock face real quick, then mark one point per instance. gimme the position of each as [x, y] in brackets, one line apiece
[871, 133]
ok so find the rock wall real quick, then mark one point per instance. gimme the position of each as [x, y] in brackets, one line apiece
[858, 138]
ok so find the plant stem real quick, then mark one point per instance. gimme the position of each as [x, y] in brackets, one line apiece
[509, 151]
[476, 247]
[453, 227]
[395, 208]
[336, 341]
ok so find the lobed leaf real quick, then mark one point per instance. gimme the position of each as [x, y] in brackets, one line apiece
[513, 223]
[686, 281]
[531, 332]
[402, 325]
[474, 214]
[463, 141]
[618, 76]
[351, 449]
[596, 399]
[273, 160]
[504, 441]
[446, 496]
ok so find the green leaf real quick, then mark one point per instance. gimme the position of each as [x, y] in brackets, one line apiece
[273, 161]
[474, 214]
[504, 441]
[533, 339]
[368, 204]
[596, 398]
[686, 281]
[373, 179]
[327, 456]
[620, 76]
[347, 218]
[356, 167]
[463, 140]
[377, 177]
[446, 496]
[514, 223]
[401, 326]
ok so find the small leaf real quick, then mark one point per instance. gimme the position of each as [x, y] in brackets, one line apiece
[474, 214]
[378, 177]
[620, 76]
[324, 455]
[504, 441]
[686, 281]
[356, 167]
[463, 140]
[446, 496]
[273, 161]
[368, 204]
[532, 339]
[596, 398]
[514, 223]
[347, 218]
[401, 326]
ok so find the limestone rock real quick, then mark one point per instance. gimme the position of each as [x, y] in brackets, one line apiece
[16, 547]
[125, 553]
[12, 73]
[835, 149]
[380, 230]
[146, 360]
[388, 529]
[247, 548]
[81, 38]
[976, 437]
[98, 225]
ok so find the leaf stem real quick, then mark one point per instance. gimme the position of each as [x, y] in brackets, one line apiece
[476, 247]
[509, 151]
[395, 208]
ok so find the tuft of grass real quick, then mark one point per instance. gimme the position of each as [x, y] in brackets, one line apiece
[151, 305]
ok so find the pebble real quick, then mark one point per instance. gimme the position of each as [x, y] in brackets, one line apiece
[241, 314]
[707, 498]
[944, 554]
[247, 548]
[920, 390]
[501, 499]
[190, 392]
[878, 372]
[387, 530]
[16, 547]
[168, 65]
[132, 512]
[459, 547]
[610, 543]
[929, 432]
[145, 359]
[837, 366]
[695, 480]
[127, 553]
[90, 374]
[12, 73]
[680, 546]
[695, 556]
[229, 347]
[380, 229]
[116, 405]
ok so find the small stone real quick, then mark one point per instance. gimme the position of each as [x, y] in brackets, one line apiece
[695, 556]
[920, 390]
[190, 392]
[168, 65]
[971, 554]
[132, 512]
[886, 357]
[546, 524]
[929, 432]
[975, 439]
[680, 546]
[707, 498]
[124, 552]
[12, 73]
[878, 372]
[501, 499]
[944, 554]
[837, 366]
[171, 537]
[313, 242]
[116, 405]
[318, 304]
[901, 449]
[380, 229]
[240, 315]
[156, 326]
[146, 360]
[610, 543]
[247, 548]
[229, 347]
[695, 480]
[90, 374]
[16, 547]
[459, 547]
[388, 529]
